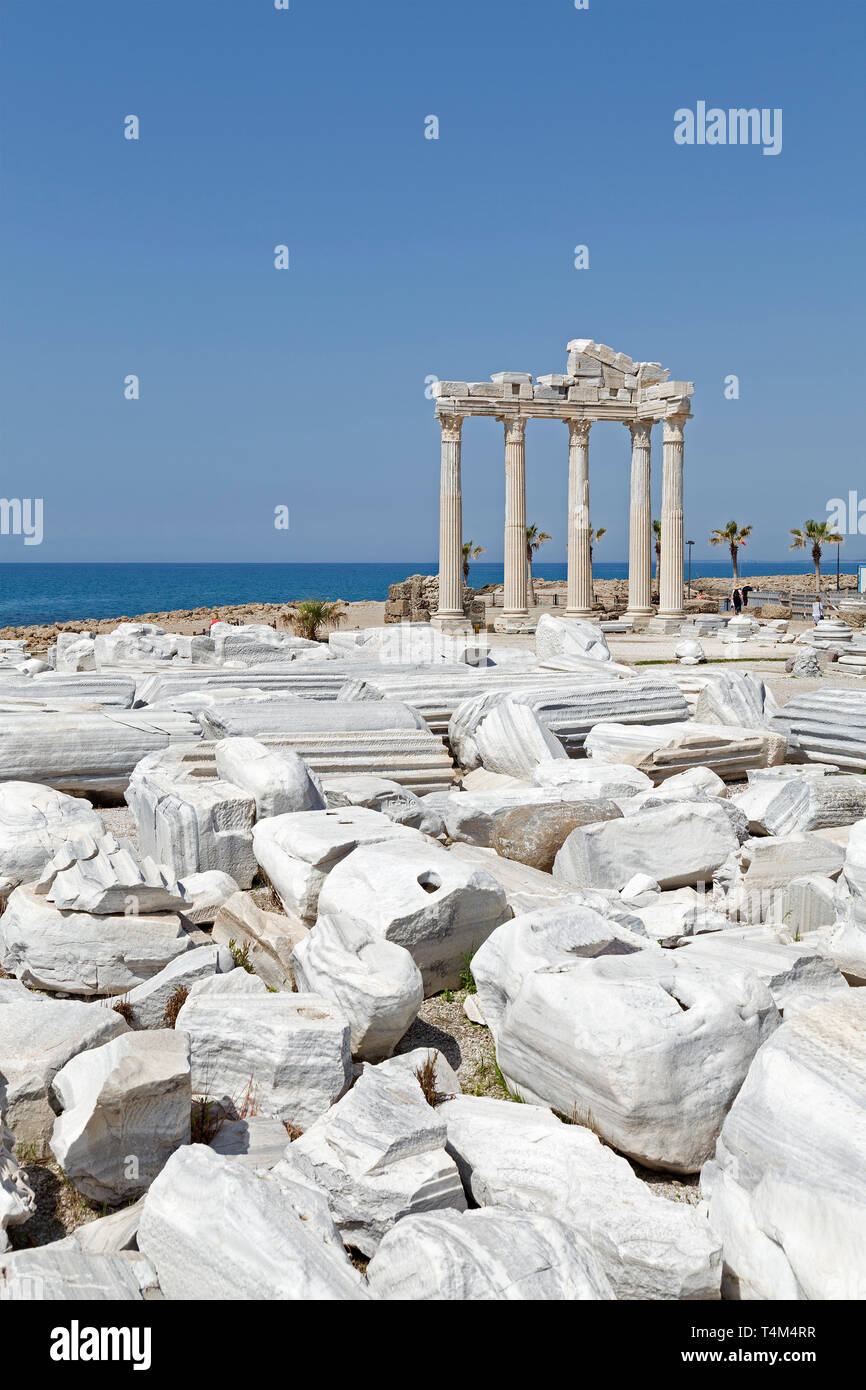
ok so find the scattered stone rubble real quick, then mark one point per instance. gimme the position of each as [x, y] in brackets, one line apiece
[207, 1028]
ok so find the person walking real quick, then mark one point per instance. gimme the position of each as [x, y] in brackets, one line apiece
[817, 611]
[746, 590]
[737, 601]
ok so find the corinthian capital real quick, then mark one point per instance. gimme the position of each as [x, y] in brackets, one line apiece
[578, 431]
[515, 429]
[674, 425]
[641, 432]
[452, 427]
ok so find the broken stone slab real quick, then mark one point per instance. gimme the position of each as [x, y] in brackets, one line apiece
[38, 1036]
[85, 750]
[573, 643]
[422, 898]
[379, 1154]
[757, 876]
[696, 779]
[278, 780]
[255, 644]
[534, 835]
[17, 1202]
[289, 1052]
[855, 868]
[62, 1272]
[570, 712]
[375, 982]
[190, 819]
[472, 817]
[801, 1112]
[797, 974]
[679, 845]
[641, 1047]
[679, 912]
[808, 903]
[512, 740]
[82, 953]
[214, 1229]
[445, 1079]
[735, 698]
[148, 1002]
[254, 718]
[36, 822]
[614, 781]
[108, 1235]
[104, 876]
[525, 888]
[126, 1108]
[269, 938]
[380, 794]
[436, 695]
[235, 982]
[256, 1142]
[524, 1158]
[207, 892]
[487, 1255]
[661, 750]
[297, 852]
[787, 805]
[828, 724]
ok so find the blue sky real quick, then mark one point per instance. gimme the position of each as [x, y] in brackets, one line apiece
[413, 257]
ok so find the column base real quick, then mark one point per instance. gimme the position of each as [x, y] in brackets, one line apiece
[514, 622]
[450, 622]
[667, 622]
[585, 613]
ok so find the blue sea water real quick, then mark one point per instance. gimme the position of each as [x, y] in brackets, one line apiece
[49, 593]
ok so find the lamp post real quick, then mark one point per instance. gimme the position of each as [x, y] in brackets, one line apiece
[690, 544]
[838, 549]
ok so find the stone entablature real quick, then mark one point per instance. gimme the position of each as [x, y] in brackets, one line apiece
[599, 385]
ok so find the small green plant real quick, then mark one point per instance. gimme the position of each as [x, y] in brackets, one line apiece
[426, 1076]
[176, 1001]
[447, 995]
[314, 616]
[467, 979]
[241, 956]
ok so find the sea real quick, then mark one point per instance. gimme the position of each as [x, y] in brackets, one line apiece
[31, 592]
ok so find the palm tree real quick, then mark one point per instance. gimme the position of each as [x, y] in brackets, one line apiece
[657, 528]
[733, 536]
[313, 616]
[817, 534]
[534, 541]
[595, 536]
[470, 552]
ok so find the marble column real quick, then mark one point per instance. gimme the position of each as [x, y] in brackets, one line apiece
[671, 579]
[515, 518]
[640, 535]
[450, 523]
[579, 553]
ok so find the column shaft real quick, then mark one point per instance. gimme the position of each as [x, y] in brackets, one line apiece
[640, 522]
[671, 580]
[515, 518]
[451, 521]
[579, 552]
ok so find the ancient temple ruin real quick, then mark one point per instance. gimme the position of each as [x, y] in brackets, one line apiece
[599, 384]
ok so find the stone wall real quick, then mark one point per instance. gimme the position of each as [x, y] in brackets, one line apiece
[416, 599]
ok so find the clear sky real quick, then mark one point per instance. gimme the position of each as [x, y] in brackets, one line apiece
[412, 258]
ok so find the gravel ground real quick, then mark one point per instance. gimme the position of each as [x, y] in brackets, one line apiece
[60, 1210]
